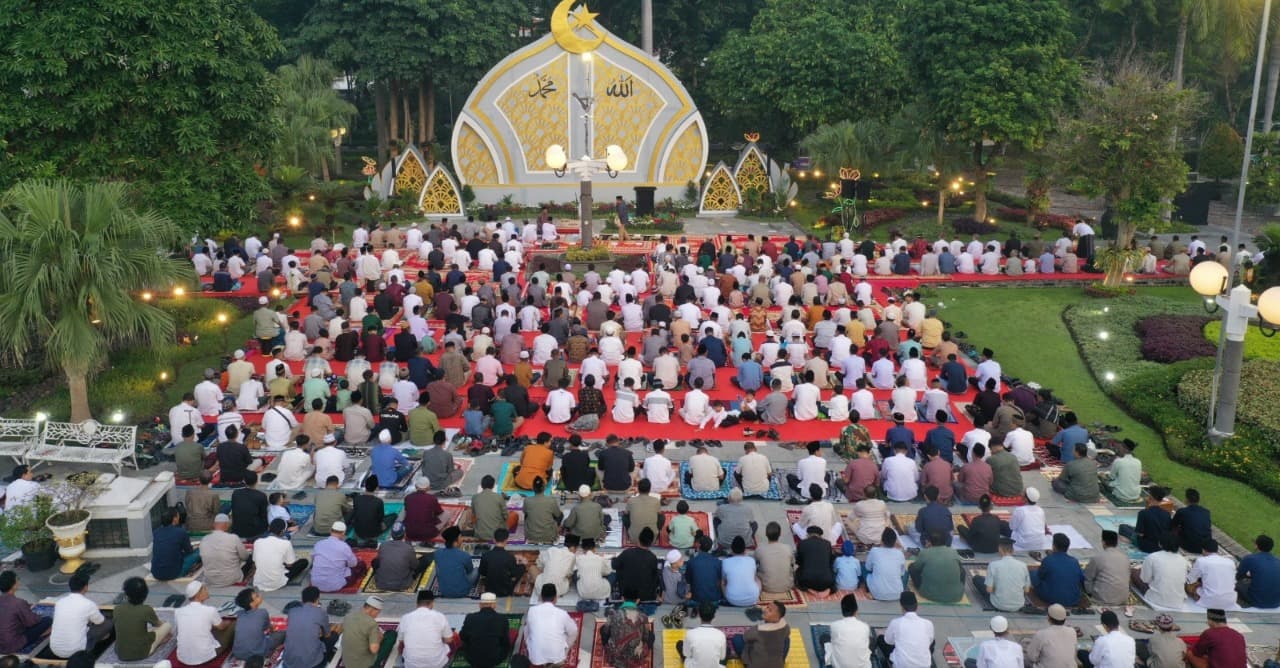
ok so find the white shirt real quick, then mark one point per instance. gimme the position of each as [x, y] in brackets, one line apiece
[1217, 577]
[560, 404]
[657, 406]
[812, 470]
[406, 394]
[20, 491]
[1165, 572]
[838, 408]
[182, 415]
[910, 636]
[989, 369]
[850, 645]
[549, 634]
[250, 396]
[330, 461]
[425, 634]
[755, 470]
[934, 400]
[916, 373]
[705, 470]
[277, 426]
[1028, 525]
[696, 405]
[1114, 650]
[208, 398]
[806, 396]
[193, 624]
[659, 471]
[1022, 445]
[882, 375]
[999, 653]
[704, 647]
[903, 400]
[595, 367]
[72, 615]
[270, 556]
[900, 475]
[294, 469]
[1082, 229]
[863, 402]
[543, 344]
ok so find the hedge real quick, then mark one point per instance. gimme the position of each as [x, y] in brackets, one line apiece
[1150, 391]
[1259, 396]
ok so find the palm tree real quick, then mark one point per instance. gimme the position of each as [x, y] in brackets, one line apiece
[923, 149]
[309, 109]
[74, 256]
[864, 144]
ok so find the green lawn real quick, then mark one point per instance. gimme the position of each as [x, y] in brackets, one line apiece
[1025, 329]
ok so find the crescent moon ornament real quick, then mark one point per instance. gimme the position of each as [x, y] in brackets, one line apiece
[565, 24]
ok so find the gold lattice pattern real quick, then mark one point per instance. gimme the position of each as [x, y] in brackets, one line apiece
[440, 196]
[412, 175]
[751, 175]
[685, 162]
[720, 195]
[625, 109]
[537, 109]
[474, 162]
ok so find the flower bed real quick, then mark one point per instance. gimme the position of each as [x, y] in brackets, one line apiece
[973, 226]
[1173, 397]
[1174, 338]
[1042, 221]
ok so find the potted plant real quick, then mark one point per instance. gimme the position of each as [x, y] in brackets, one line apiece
[23, 526]
[70, 524]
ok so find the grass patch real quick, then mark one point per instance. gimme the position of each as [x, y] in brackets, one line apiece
[132, 382]
[1256, 346]
[1027, 332]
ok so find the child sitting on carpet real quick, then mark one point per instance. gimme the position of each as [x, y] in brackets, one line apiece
[279, 510]
[682, 530]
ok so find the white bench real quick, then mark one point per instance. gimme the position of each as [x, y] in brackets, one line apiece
[86, 443]
[17, 437]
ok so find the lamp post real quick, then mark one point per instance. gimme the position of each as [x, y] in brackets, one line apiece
[337, 135]
[1211, 280]
[586, 167]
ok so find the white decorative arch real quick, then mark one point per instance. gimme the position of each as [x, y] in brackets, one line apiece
[720, 194]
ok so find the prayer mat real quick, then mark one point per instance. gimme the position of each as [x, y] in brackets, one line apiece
[196, 571]
[366, 557]
[884, 410]
[790, 597]
[571, 661]
[956, 650]
[690, 493]
[1033, 466]
[663, 540]
[595, 483]
[385, 651]
[514, 622]
[506, 482]
[834, 495]
[1041, 450]
[452, 514]
[793, 516]
[388, 508]
[405, 480]
[826, 596]
[816, 633]
[433, 583]
[968, 518]
[1051, 473]
[797, 656]
[964, 599]
[167, 647]
[982, 598]
[276, 658]
[1007, 501]
[223, 654]
[217, 475]
[529, 559]
[369, 586]
[1112, 523]
[1120, 503]
[597, 649]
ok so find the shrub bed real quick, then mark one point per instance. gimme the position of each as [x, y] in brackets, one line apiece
[1174, 338]
[1260, 385]
[1042, 221]
[1172, 398]
[973, 226]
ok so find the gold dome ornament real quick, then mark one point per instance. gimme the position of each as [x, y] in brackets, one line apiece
[752, 137]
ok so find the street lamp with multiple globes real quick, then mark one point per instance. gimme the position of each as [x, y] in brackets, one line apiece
[614, 161]
[1211, 280]
[337, 134]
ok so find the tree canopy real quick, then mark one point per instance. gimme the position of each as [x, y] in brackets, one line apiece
[170, 95]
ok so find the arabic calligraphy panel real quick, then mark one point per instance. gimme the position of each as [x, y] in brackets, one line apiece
[537, 109]
[625, 108]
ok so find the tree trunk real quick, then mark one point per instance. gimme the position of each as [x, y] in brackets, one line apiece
[942, 205]
[1273, 81]
[393, 114]
[429, 118]
[380, 121]
[78, 387]
[1180, 50]
[422, 114]
[324, 169]
[1125, 231]
[408, 117]
[979, 183]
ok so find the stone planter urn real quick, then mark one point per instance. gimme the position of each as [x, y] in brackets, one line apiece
[70, 527]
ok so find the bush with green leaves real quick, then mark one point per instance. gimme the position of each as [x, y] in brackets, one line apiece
[1260, 382]
[1105, 331]
[1221, 152]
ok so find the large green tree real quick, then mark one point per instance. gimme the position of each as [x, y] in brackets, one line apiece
[1117, 146]
[805, 63]
[74, 257]
[409, 48]
[168, 94]
[994, 73]
[309, 109]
